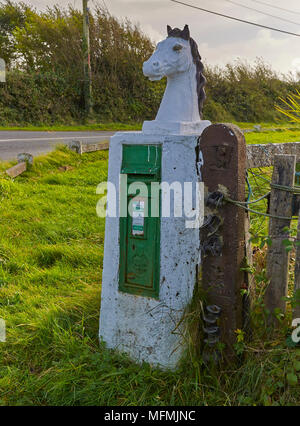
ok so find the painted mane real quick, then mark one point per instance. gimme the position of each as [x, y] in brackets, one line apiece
[201, 80]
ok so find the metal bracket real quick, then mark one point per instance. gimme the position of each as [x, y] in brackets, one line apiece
[212, 224]
[212, 246]
[215, 200]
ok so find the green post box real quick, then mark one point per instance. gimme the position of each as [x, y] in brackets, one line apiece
[139, 230]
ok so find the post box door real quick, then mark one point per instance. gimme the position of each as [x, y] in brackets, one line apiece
[139, 231]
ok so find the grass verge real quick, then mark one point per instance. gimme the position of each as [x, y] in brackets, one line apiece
[76, 127]
[282, 126]
[51, 251]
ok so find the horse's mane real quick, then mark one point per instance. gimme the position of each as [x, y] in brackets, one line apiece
[201, 80]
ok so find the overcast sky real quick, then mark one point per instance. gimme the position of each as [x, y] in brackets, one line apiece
[220, 40]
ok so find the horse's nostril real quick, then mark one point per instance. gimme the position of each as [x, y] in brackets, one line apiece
[156, 64]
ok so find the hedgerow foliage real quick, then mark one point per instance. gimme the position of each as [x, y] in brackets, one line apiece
[43, 52]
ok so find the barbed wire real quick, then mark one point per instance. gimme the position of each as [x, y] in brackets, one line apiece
[244, 205]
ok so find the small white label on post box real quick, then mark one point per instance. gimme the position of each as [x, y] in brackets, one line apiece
[138, 217]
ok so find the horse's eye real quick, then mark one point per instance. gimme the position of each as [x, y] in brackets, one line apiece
[177, 47]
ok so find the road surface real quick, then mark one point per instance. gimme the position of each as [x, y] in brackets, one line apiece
[13, 143]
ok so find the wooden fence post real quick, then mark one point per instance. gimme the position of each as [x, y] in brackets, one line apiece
[278, 257]
[296, 310]
[224, 157]
[250, 284]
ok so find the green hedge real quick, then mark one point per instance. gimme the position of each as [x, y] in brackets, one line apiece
[45, 78]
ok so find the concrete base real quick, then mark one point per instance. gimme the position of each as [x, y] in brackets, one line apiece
[156, 127]
[141, 326]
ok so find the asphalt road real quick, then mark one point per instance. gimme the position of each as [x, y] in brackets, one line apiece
[13, 143]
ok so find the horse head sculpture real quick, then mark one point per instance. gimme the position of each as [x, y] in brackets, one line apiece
[177, 58]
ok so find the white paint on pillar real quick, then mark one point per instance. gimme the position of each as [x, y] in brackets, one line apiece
[140, 326]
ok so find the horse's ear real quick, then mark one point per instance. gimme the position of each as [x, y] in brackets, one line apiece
[169, 29]
[186, 33]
